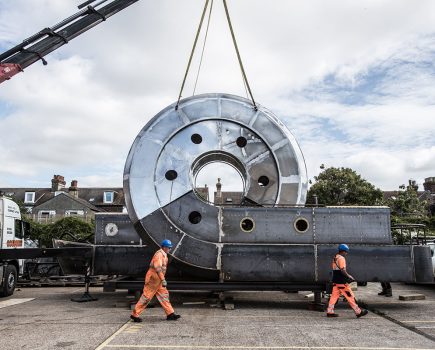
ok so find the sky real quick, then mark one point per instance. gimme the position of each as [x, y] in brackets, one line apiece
[354, 81]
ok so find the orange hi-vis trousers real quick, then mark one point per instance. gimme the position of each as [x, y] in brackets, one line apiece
[342, 289]
[153, 286]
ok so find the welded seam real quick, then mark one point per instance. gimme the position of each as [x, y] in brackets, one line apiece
[254, 119]
[178, 244]
[183, 116]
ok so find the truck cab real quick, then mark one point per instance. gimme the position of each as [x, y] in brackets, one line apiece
[12, 230]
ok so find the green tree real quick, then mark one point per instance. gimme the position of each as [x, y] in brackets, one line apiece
[22, 207]
[68, 228]
[343, 186]
[407, 206]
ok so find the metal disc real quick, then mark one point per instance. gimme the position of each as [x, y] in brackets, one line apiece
[175, 145]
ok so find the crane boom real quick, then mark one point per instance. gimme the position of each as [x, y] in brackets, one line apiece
[49, 39]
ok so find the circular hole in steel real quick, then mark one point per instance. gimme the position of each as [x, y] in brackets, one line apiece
[219, 169]
[196, 138]
[301, 225]
[263, 181]
[171, 175]
[195, 217]
[247, 225]
[241, 141]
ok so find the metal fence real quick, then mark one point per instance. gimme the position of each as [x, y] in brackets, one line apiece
[49, 219]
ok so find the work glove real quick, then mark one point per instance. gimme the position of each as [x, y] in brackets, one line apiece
[164, 283]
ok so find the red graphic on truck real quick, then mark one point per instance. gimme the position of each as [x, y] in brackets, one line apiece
[14, 243]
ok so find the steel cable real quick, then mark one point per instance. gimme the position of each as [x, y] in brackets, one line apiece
[245, 79]
[203, 48]
[192, 52]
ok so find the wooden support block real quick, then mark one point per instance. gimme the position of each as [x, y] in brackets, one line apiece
[228, 305]
[407, 297]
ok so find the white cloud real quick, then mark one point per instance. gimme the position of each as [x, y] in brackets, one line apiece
[353, 81]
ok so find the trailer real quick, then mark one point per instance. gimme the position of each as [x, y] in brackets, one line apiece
[269, 240]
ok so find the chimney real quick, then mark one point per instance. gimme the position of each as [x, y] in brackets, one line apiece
[429, 184]
[218, 188]
[413, 185]
[57, 183]
[73, 190]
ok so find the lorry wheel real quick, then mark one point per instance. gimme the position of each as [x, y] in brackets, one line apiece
[10, 281]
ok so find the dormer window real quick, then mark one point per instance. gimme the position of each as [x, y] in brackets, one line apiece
[108, 197]
[29, 197]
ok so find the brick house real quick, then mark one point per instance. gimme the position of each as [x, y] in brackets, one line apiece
[59, 201]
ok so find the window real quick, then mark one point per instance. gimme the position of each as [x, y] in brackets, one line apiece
[108, 197]
[19, 229]
[46, 214]
[29, 197]
[74, 213]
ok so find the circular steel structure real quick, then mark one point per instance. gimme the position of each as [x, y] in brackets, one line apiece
[168, 153]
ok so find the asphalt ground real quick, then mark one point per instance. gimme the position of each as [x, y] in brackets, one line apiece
[260, 320]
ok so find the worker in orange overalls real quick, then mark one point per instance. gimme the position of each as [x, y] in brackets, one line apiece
[340, 280]
[155, 283]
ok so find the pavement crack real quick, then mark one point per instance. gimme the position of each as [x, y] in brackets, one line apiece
[393, 320]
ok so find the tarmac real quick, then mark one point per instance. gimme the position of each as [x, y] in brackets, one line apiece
[46, 318]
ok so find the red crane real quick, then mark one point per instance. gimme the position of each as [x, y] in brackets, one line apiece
[49, 39]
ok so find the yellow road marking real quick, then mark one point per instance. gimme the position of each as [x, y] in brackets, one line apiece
[14, 301]
[108, 340]
[134, 329]
[321, 316]
[257, 347]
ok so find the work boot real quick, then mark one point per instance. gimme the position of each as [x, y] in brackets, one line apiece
[362, 313]
[172, 317]
[135, 319]
[331, 315]
[383, 292]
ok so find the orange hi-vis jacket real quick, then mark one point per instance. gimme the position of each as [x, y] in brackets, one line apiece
[341, 287]
[159, 263]
[338, 264]
[153, 285]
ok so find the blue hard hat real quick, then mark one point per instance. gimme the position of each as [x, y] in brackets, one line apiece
[166, 243]
[343, 248]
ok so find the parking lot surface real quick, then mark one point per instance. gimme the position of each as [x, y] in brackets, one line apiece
[45, 318]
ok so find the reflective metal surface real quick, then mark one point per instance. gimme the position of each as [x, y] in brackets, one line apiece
[270, 236]
[168, 143]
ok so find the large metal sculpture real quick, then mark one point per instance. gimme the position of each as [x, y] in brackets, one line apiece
[270, 236]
